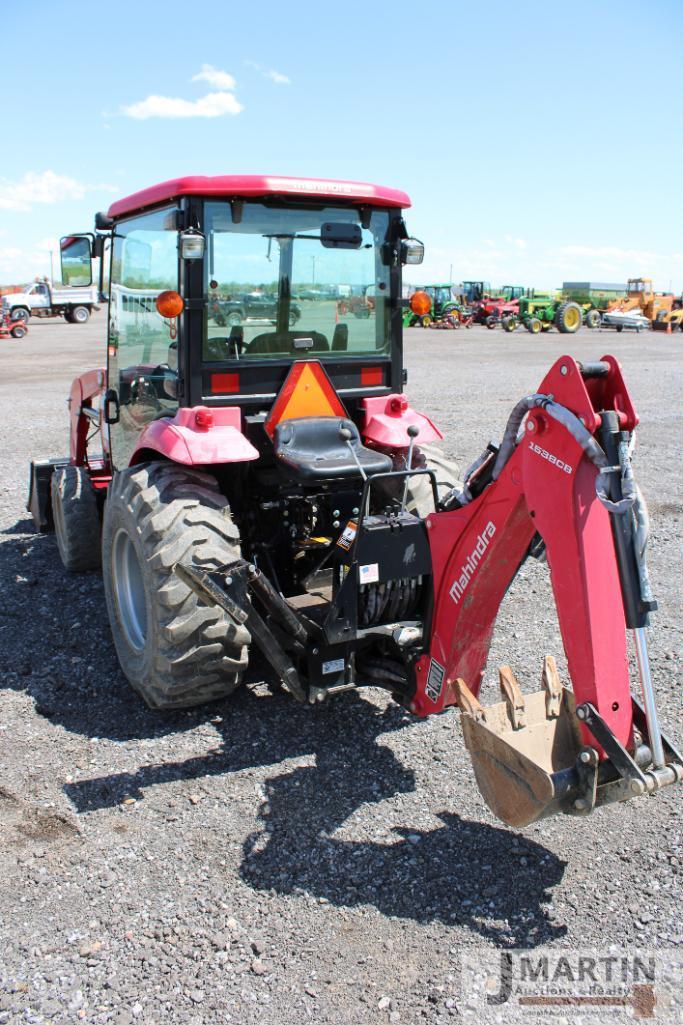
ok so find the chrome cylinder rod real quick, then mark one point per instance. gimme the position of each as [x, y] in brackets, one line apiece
[655, 738]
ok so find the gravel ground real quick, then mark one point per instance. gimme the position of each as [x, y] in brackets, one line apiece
[253, 861]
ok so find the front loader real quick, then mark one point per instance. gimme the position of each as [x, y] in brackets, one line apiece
[271, 486]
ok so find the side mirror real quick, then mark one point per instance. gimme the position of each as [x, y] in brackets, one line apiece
[76, 256]
[412, 251]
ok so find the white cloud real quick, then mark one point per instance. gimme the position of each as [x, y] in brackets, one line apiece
[46, 187]
[520, 243]
[277, 77]
[612, 253]
[271, 73]
[219, 79]
[211, 105]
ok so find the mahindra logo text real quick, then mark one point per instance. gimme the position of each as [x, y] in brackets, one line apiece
[550, 457]
[468, 569]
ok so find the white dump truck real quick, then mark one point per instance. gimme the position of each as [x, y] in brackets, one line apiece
[40, 299]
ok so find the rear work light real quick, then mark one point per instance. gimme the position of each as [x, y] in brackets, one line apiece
[412, 251]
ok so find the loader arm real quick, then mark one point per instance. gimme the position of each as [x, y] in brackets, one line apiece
[522, 752]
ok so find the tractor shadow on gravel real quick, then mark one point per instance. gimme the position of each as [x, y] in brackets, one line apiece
[463, 873]
[55, 646]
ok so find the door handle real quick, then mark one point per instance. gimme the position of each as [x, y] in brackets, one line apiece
[112, 408]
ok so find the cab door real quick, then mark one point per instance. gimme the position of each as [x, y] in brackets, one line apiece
[142, 351]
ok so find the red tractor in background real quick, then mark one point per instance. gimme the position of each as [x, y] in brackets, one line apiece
[272, 487]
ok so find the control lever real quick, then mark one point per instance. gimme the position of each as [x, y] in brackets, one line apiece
[346, 435]
[413, 432]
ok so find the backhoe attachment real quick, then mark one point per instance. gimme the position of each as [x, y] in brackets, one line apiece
[560, 484]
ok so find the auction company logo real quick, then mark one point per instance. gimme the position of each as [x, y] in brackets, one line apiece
[599, 986]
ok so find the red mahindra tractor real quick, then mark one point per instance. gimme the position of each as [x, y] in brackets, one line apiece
[271, 486]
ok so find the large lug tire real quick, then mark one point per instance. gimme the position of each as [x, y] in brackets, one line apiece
[175, 651]
[568, 318]
[420, 500]
[593, 319]
[76, 518]
[80, 315]
[20, 314]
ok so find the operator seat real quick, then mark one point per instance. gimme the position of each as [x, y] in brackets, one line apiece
[313, 449]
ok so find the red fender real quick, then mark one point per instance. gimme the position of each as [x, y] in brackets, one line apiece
[387, 419]
[197, 436]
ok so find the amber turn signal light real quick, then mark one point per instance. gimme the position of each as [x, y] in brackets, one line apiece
[170, 304]
[420, 303]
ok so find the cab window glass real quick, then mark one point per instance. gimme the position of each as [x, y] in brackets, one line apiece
[143, 354]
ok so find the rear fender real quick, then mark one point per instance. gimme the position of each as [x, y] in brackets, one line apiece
[387, 419]
[197, 436]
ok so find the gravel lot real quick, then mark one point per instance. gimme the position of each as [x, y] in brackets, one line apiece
[253, 861]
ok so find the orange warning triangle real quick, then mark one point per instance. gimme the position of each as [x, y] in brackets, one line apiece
[307, 391]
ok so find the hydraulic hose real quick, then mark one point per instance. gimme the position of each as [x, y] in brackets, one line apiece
[581, 435]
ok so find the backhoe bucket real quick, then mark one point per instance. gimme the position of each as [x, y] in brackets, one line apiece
[525, 749]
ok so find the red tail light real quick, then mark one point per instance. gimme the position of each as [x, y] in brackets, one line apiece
[222, 384]
[370, 376]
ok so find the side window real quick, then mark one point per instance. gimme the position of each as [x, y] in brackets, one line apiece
[143, 353]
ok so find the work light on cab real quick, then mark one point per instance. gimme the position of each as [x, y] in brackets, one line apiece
[412, 251]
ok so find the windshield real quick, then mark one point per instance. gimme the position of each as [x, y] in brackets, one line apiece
[273, 290]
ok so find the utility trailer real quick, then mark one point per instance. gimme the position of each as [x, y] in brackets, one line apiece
[273, 488]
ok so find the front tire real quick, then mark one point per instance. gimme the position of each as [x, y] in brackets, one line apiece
[593, 319]
[76, 518]
[175, 651]
[20, 314]
[18, 332]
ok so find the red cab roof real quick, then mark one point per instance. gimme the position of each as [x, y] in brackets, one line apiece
[255, 185]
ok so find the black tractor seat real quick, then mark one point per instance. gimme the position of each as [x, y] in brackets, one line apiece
[313, 448]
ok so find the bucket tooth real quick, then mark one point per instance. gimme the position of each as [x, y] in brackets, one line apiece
[550, 679]
[512, 696]
[468, 703]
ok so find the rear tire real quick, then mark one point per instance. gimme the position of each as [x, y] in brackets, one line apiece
[76, 518]
[18, 332]
[80, 315]
[175, 651]
[568, 318]
[420, 500]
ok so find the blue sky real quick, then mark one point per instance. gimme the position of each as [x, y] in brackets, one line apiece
[539, 142]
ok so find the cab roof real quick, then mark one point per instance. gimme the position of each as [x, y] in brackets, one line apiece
[258, 185]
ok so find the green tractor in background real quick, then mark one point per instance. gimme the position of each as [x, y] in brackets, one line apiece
[541, 312]
[442, 304]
